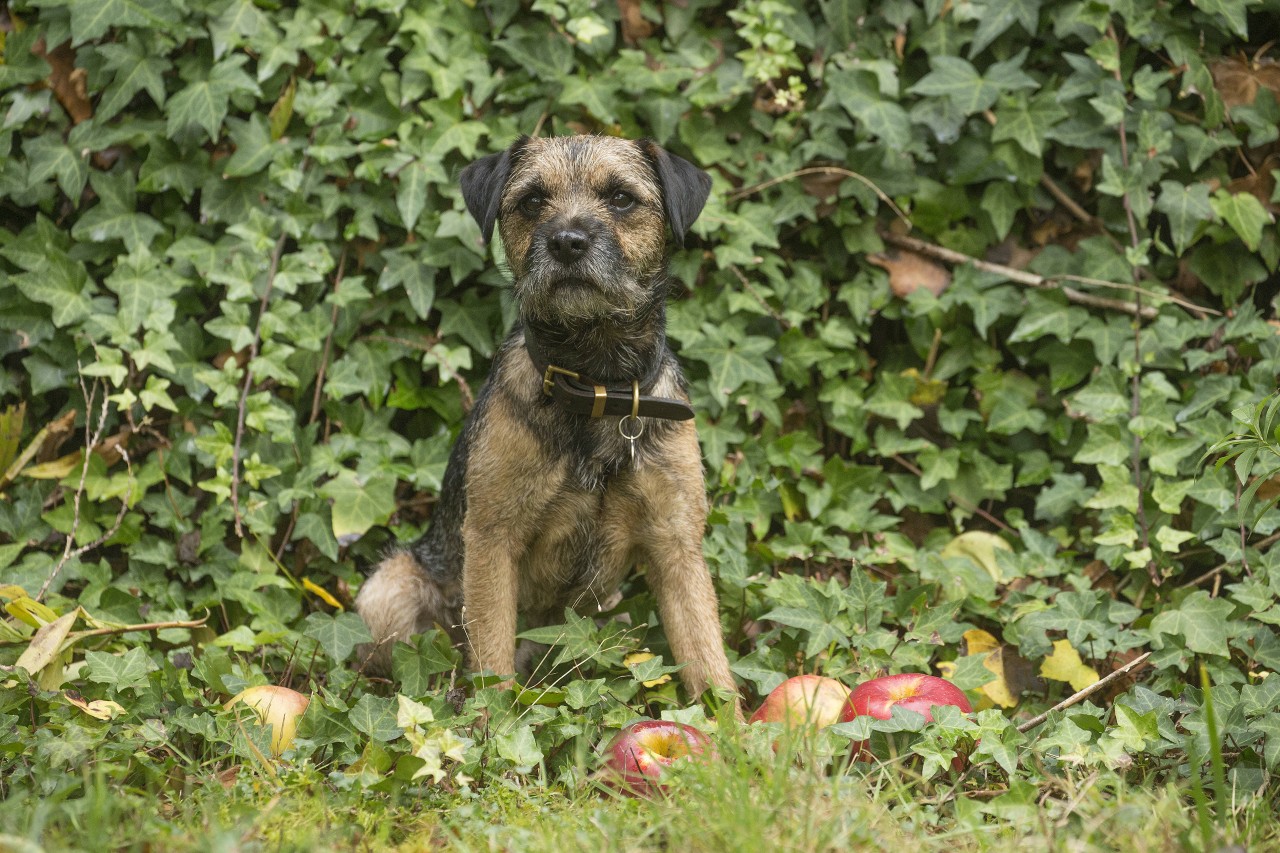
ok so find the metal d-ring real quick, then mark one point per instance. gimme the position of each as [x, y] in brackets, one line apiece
[634, 416]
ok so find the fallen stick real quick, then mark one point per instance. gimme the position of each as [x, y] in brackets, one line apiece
[1017, 276]
[1085, 693]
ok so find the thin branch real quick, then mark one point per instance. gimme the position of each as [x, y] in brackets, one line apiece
[1135, 384]
[1221, 567]
[1200, 311]
[248, 378]
[144, 626]
[738, 195]
[755, 294]
[960, 502]
[91, 441]
[1081, 695]
[1017, 276]
[328, 340]
[1067, 201]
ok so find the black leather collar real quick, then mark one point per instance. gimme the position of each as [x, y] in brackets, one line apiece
[582, 395]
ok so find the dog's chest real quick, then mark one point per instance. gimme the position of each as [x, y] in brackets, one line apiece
[582, 548]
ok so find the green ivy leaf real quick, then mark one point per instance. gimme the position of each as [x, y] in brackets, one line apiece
[520, 748]
[1188, 208]
[995, 17]
[338, 634]
[90, 19]
[1200, 621]
[732, 360]
[1244, 213]
[359, 502]
[411, 195]
[860, 96]
[203, 102]
[376, 717]
[125, 671]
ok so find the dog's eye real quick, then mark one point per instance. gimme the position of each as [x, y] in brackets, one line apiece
[622, 201]
[532, 204]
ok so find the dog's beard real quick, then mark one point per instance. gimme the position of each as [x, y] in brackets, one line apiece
[593, 288]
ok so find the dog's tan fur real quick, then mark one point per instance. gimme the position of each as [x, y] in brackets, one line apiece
[552, 511]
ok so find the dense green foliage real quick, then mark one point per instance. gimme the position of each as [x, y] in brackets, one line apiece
[234, 263]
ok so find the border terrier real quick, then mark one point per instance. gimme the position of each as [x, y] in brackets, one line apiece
[579, 459]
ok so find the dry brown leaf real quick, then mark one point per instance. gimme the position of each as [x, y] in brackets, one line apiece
[1261, 184]
[822, 185]
[67, 82]
[634, 26]
[47, 642]
[909, 272]
[1238, 80]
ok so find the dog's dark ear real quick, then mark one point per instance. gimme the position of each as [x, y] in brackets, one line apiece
[685, 187]
[482, 184]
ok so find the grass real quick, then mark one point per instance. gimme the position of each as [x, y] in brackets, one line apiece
[744, 801]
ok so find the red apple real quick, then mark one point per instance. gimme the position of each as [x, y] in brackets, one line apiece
[807, 700]
[638, 758]
[911, 691]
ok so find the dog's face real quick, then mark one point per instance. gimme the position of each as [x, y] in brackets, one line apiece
[583, 220]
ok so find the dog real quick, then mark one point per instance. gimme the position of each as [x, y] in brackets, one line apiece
[579, 459]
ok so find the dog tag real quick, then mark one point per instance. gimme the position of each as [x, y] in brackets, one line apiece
[632, 433]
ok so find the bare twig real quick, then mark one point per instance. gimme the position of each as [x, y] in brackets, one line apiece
[1017, 276]
[144, 626]
[92, 439]
[1081, 695]
[328, 340]
[1221, 567]
[960, 502]
[755, 294]
[272, 268]
[1135, 385]
[738, 195]
[1067, 201]
[1199, 311]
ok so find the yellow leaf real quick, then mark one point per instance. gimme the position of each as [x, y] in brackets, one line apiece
[31, 611]
[102, 709]
[1065, 665]
[11, 591]
[321, 593]
[636, 658]
[978, 641]
[980, 547]
[998, 691]
[55, 469]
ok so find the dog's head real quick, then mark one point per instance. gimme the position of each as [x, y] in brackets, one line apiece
[583, 219]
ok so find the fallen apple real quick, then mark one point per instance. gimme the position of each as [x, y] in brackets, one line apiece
[639, 756]
[910, 691]
[278, 707]
[811, 701]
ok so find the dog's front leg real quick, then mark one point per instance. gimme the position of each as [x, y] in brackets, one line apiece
[489, 586]
[675, 515]
[509, 484]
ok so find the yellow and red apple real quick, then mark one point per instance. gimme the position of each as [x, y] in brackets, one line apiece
[804, 702]
[638, 758]
[278, 707]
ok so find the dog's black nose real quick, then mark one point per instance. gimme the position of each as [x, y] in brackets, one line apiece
[568, 244]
